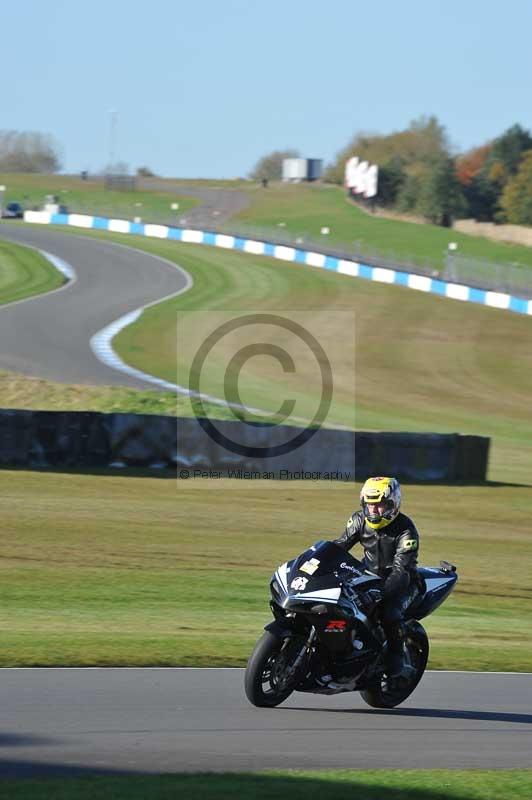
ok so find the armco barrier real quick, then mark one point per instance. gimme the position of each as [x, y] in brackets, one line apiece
[423, 283]
[40, 439]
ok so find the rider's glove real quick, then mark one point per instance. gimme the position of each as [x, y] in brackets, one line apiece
[368, 600]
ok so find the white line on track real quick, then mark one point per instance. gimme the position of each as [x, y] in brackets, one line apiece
[66, 269]
[101, 342]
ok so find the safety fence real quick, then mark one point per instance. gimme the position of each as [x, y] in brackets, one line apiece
[314, 258]
[196, 447]
[452, 267]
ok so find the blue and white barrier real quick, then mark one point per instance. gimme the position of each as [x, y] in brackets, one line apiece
[423, 283]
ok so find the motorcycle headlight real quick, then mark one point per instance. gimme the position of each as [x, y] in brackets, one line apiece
[275, 587]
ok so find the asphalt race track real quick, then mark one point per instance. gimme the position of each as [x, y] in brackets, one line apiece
[48, 336]
[217, 205]
[169, 720]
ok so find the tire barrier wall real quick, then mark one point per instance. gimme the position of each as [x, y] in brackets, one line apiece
[423, 283]
[40, 439]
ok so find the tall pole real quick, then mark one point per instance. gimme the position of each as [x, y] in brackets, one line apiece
[2, 190]
[112, 138]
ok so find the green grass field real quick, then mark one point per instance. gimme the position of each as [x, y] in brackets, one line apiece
[447, 366]
[90, 197]
[304, 209]
[24, 392]
[24, 273]
[108, 569]
[434, 365]
[423, 363]
[297, 784]
[96, 566]
[483, 388]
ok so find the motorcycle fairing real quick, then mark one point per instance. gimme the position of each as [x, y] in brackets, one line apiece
[336, 567]
[439, 583]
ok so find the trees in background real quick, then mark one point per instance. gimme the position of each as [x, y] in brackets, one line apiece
[416, 173]
[484, 173]
[28, 151]
[479, 191]
[270, 166]
[440, 197]
[508, 149]
[516, 200]
[145, 172]
[419, 174]
[423, 140]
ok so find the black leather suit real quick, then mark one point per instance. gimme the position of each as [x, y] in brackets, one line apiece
[391, 553]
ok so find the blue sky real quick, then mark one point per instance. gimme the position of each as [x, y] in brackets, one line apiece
[205, 89]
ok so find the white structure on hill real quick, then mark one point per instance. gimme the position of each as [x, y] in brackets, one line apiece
[296, 170]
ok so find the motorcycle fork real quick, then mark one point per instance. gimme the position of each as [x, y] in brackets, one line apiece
[303, 652]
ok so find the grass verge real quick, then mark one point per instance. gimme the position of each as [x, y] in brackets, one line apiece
[112, 570]
[90, 197]
[306, 209]
[298, 785]
[24, 273]
[26, 392]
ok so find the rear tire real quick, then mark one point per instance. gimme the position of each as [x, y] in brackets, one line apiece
[265, 681]
[381, 696]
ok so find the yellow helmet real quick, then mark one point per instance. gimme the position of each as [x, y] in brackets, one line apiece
[381, 490]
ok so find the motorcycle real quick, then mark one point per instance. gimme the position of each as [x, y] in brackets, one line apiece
[326, 637]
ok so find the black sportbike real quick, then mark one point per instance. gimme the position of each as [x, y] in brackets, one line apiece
[326, 637]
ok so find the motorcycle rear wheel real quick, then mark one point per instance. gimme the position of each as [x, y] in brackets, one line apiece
[266, 683]
[381, 695]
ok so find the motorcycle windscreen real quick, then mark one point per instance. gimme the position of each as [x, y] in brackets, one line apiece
[324, 558]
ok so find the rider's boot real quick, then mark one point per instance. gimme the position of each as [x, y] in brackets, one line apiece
[398, 666]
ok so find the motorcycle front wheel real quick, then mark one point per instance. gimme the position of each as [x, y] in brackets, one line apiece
[268, 679]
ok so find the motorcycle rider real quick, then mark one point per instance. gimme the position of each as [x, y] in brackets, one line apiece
[391, 543]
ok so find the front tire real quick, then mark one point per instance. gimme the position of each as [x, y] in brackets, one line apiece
[383, 696]
[266, 682]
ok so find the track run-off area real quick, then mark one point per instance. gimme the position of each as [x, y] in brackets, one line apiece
[172, 720]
